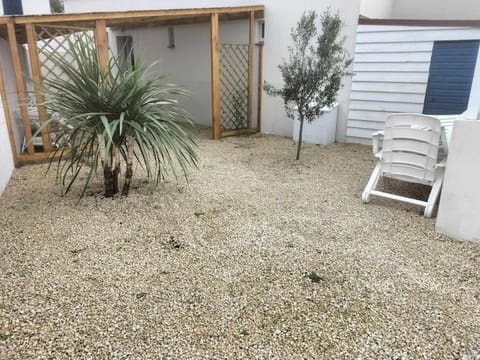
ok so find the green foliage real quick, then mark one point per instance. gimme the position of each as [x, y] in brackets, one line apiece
[314, 277]
[238, 104]
[110, 115]
[57, 6]
[313, 73]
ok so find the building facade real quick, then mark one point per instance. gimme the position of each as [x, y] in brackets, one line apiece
[412, 69]
[280, 17]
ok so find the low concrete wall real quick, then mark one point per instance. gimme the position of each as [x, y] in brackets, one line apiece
[459, 211]
[6, 158]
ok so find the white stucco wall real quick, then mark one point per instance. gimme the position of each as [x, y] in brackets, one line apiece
[459, 208]
[6, 159]
[377, 9]
[437, 10]
[188, 64]
[280, 17]
[423, 9]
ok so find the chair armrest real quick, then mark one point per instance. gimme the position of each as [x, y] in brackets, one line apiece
[441, 164]
[376, 136]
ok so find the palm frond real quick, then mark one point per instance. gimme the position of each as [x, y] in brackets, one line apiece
[100, 109]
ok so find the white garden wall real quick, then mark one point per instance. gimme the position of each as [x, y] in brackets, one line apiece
[280, 16]
[459, 208]
[391, 71]
[6, 158]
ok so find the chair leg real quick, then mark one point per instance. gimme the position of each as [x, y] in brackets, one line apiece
[434, 194]
[372, 183]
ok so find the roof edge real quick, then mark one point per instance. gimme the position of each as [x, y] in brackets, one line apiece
[131, 14]
[362, 20]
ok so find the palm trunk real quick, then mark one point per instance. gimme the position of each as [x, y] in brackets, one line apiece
[129, 170]
[108, 181]
[300, 137]
[116, 168]
[110, 174]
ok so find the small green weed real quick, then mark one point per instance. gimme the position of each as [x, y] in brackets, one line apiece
[314, 277]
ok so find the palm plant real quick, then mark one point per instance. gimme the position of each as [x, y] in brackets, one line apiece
[112, 116]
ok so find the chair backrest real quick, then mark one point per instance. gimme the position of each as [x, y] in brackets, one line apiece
[410, 147]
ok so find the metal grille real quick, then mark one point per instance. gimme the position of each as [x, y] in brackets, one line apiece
[54, 41]
[234, 86]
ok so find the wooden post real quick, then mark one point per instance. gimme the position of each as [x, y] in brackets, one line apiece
[101, 42]
[37, 78]
[260, 87]
[251, 49]
[215, 59]
[8, 118]
[22, 99]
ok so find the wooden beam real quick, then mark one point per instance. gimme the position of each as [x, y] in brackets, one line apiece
[8, 117]
[22, 99]
[260, 87]
[42, 157]
[227, 133]
[251, 49]
[215, 62]
[37, 78]
[118, 15]
[101, 41]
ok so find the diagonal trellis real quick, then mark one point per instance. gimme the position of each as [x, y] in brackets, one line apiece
[234, 86]
[54, 40]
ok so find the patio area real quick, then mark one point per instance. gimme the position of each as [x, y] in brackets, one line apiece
[258, 256]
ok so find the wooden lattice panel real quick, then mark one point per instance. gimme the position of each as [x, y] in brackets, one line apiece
[54, 40]
[234, 86]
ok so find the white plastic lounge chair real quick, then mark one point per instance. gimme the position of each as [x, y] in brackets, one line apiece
[410, 153]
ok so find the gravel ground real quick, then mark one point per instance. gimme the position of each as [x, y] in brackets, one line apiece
[219, 267]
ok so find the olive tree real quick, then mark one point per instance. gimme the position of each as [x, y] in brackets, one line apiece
[314, 70]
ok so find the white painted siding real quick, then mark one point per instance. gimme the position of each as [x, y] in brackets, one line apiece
[391, 71]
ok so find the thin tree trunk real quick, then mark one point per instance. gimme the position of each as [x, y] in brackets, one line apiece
[129, 170]
[300, 137]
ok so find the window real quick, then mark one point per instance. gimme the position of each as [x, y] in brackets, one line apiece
[260, 31]
[171, 38]
[125, 52]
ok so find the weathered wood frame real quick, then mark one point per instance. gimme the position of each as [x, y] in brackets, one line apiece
[21, 30]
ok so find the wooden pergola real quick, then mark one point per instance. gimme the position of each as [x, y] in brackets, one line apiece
[26, 29]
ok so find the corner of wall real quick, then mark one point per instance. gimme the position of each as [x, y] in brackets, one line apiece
[6, 157]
